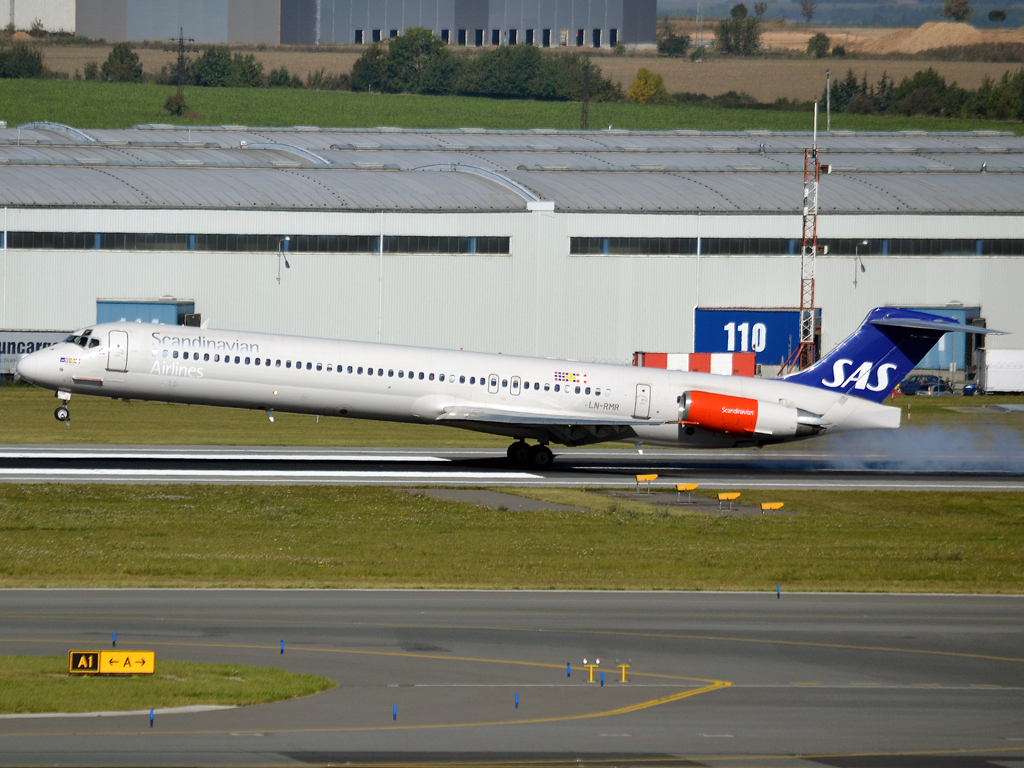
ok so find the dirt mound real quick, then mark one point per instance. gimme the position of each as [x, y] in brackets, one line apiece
[21, 36]
[937, 34]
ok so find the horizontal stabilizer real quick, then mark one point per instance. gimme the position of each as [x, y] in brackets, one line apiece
[946, 325]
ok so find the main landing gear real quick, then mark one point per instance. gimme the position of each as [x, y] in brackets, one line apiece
[536, 456]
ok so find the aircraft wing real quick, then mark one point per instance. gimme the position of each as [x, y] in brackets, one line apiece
[498, 416]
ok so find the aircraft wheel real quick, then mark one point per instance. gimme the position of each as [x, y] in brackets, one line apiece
[61, 414]
[519, 453]
[541, 457]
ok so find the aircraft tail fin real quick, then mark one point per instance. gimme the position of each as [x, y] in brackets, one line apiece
[879, 354]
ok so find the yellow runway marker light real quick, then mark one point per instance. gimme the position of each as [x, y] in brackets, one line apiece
[645, 479]
[730, 497]
[623, 667]
[591, 667]
[771, 506]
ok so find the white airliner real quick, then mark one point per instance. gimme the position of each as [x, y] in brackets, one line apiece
[548, 401]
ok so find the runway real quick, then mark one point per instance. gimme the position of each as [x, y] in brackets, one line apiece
[805, 681]
[810, 468]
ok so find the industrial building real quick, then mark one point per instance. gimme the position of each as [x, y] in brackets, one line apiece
[472, 23]
[587, 245]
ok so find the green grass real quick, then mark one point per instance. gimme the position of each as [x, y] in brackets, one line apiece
[42, 684]
[297, 536]
[27, 417]
[106, 105]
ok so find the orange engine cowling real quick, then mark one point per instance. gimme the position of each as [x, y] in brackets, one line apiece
[719, 413]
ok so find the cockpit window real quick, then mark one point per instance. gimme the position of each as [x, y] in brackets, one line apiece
[70, 339]
[94, 343]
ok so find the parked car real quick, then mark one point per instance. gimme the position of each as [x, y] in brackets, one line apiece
[925, 385]
[971, 389]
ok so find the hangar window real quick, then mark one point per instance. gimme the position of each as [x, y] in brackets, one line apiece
[427, 245]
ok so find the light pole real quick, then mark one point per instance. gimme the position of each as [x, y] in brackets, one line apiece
[856, 261]
[281, 248]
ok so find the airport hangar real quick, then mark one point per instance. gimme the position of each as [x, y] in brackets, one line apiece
[583, 245]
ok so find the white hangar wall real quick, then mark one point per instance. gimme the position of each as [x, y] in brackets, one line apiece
[538, 300]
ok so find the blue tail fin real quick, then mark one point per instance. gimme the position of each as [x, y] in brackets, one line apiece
[877, 357]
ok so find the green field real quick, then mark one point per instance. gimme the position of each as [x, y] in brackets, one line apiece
[347, 537]
[120, 105]
[42, 684]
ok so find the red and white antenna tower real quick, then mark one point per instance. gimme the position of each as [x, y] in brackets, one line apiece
[803, 355]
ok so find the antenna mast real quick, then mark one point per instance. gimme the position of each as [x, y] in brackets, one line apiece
[803, 355]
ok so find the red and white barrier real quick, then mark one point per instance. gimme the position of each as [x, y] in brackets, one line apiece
[723, 363]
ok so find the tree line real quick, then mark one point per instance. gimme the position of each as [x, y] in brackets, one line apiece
[927, 93]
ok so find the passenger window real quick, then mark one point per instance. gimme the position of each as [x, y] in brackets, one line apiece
[504, 383]
[536, 385]
[319, 367]
[462, 379]
[431, 377]
[165, 353]
[607, 393]
[329, 368]
[587, 391]
[577, 390]
[391, 373]
[216, 358]
[441, 377]
[237, 360]
[380, 371]
[556, 387]
[277, 364]
[257, 361]
[420, 376]
[247, 361]
[359, 370]
[369, 371]
[298, 365]
[206, 356]
[267, 362]
[401, 374]
[547, 387]
[472, 379]
[175, 354]
[350, 369]
[597, 392]
[288, 364]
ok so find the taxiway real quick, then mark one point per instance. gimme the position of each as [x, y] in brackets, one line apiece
[808, 680]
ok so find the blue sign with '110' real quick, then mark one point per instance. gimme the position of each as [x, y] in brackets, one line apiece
[772, 334]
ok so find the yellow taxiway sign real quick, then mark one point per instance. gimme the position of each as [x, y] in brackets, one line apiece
[111, 662]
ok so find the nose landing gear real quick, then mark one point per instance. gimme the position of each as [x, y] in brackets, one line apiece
[61, 414]
[536, 456]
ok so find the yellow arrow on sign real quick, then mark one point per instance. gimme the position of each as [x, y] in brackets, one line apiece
[127, 662]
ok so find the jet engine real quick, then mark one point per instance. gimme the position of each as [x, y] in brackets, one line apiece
[743, 416]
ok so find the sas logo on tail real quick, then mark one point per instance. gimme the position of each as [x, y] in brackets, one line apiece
[859, 377]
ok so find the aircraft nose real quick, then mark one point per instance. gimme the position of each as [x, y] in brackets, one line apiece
[31, 367]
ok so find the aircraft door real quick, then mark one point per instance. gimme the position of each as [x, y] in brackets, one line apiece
[492, 383]
[514, 385]
[642, 408]
[117, 351]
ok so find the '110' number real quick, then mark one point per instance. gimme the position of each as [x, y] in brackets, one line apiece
[757, 337]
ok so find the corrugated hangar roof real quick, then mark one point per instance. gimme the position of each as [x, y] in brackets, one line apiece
[302, 168]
